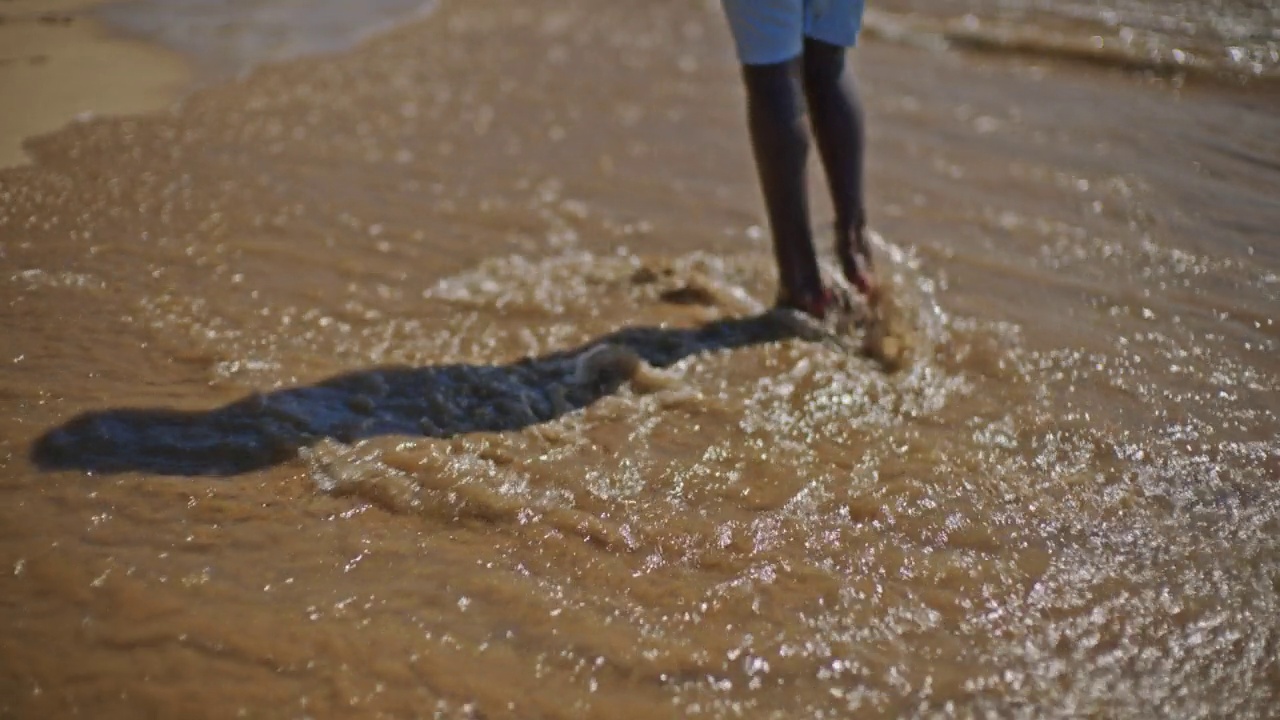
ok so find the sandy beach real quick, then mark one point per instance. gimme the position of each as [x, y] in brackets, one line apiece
[424, 371]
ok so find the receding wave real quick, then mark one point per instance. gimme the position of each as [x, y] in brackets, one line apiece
[1082, 41]
[234, 37]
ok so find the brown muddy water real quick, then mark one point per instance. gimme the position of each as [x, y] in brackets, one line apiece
[428, 380]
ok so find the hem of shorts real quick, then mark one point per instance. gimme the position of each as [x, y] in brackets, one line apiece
[787, 57]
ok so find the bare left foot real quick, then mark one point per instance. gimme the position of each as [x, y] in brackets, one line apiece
[855, 261]
[814, 304]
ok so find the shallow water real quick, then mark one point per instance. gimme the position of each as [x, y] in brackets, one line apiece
[430, 379]
[230, 37]
[1226, 39]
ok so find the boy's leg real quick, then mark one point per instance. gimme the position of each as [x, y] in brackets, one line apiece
[780, 141]
[769, 38]
[832, 26]
[837, 123]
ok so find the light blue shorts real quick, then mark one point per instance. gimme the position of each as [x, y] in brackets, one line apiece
[773, 31]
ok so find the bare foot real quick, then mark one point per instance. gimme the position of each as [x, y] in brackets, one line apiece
[814, 304]
[855, 260]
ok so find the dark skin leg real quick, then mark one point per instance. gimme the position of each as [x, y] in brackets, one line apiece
[836, 116]
[780, 141]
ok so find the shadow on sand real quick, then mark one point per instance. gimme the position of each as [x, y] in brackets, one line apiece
[436, 401]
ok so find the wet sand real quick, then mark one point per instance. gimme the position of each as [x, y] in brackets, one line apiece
[427, 379]
[58, 64]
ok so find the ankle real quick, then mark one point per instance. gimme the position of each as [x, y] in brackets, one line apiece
[814, 302]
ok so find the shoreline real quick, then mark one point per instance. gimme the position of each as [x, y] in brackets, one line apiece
[61, 64]
[69, 60]
[65, 60]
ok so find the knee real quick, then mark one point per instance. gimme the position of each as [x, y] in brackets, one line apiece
[824, 67]
[773, 88]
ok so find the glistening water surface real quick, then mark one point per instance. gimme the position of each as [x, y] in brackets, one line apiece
[430, 379]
